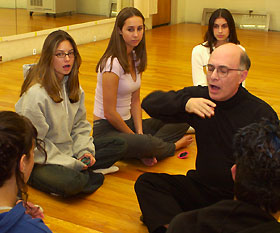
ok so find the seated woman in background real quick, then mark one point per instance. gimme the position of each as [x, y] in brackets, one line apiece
[117, 109]
[221, 30]
[18, 138]
[51, 97]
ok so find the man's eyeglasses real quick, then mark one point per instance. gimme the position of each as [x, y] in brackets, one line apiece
[70, 54]
[221, 70]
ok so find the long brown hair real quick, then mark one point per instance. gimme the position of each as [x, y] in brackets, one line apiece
[209, 37]
[44, 73]
[117, 47]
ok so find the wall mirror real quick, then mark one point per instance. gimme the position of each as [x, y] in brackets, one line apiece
[23, 16]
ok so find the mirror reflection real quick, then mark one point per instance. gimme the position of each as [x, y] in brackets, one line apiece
[22, 16]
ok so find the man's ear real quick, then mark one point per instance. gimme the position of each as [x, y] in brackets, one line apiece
[22, 163]
[243, 75]
[233, 171]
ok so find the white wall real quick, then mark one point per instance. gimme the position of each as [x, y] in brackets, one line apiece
[96, 7]
[13, 3]
[193, 9]
[178, 11]
[100, 7]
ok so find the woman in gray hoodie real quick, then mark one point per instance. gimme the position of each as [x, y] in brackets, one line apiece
[51, 97]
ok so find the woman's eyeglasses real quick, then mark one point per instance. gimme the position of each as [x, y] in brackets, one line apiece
[70, 54]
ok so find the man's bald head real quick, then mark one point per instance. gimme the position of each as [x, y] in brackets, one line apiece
[234, 51]
[229, 67]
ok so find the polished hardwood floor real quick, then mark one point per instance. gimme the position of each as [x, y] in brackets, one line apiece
[19, 21]
[114, 208]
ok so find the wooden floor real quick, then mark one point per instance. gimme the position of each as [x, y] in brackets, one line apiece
[114, 208]
[18, 21]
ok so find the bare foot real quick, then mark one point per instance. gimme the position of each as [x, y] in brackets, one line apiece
[149, 161]
[184, 141]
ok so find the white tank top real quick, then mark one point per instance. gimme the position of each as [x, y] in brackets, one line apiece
[126, 87]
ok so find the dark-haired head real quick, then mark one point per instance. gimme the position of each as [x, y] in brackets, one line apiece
[117, 46]
[257, 152]
[209, 36]
[17, 140]
[44, 72]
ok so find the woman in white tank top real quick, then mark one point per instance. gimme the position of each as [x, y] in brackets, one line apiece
[221, 30]
[117, 109]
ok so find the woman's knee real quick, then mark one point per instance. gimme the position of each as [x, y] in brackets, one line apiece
[58, 180]
[110, 143]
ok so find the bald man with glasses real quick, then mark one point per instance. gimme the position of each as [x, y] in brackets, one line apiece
[216, 113]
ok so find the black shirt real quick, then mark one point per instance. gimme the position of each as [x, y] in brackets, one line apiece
[214, 136]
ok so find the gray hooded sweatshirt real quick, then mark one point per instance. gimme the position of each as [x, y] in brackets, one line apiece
[62, 126]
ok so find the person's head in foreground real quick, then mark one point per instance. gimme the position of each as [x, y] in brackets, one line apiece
[257, 169]
[18, 138]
